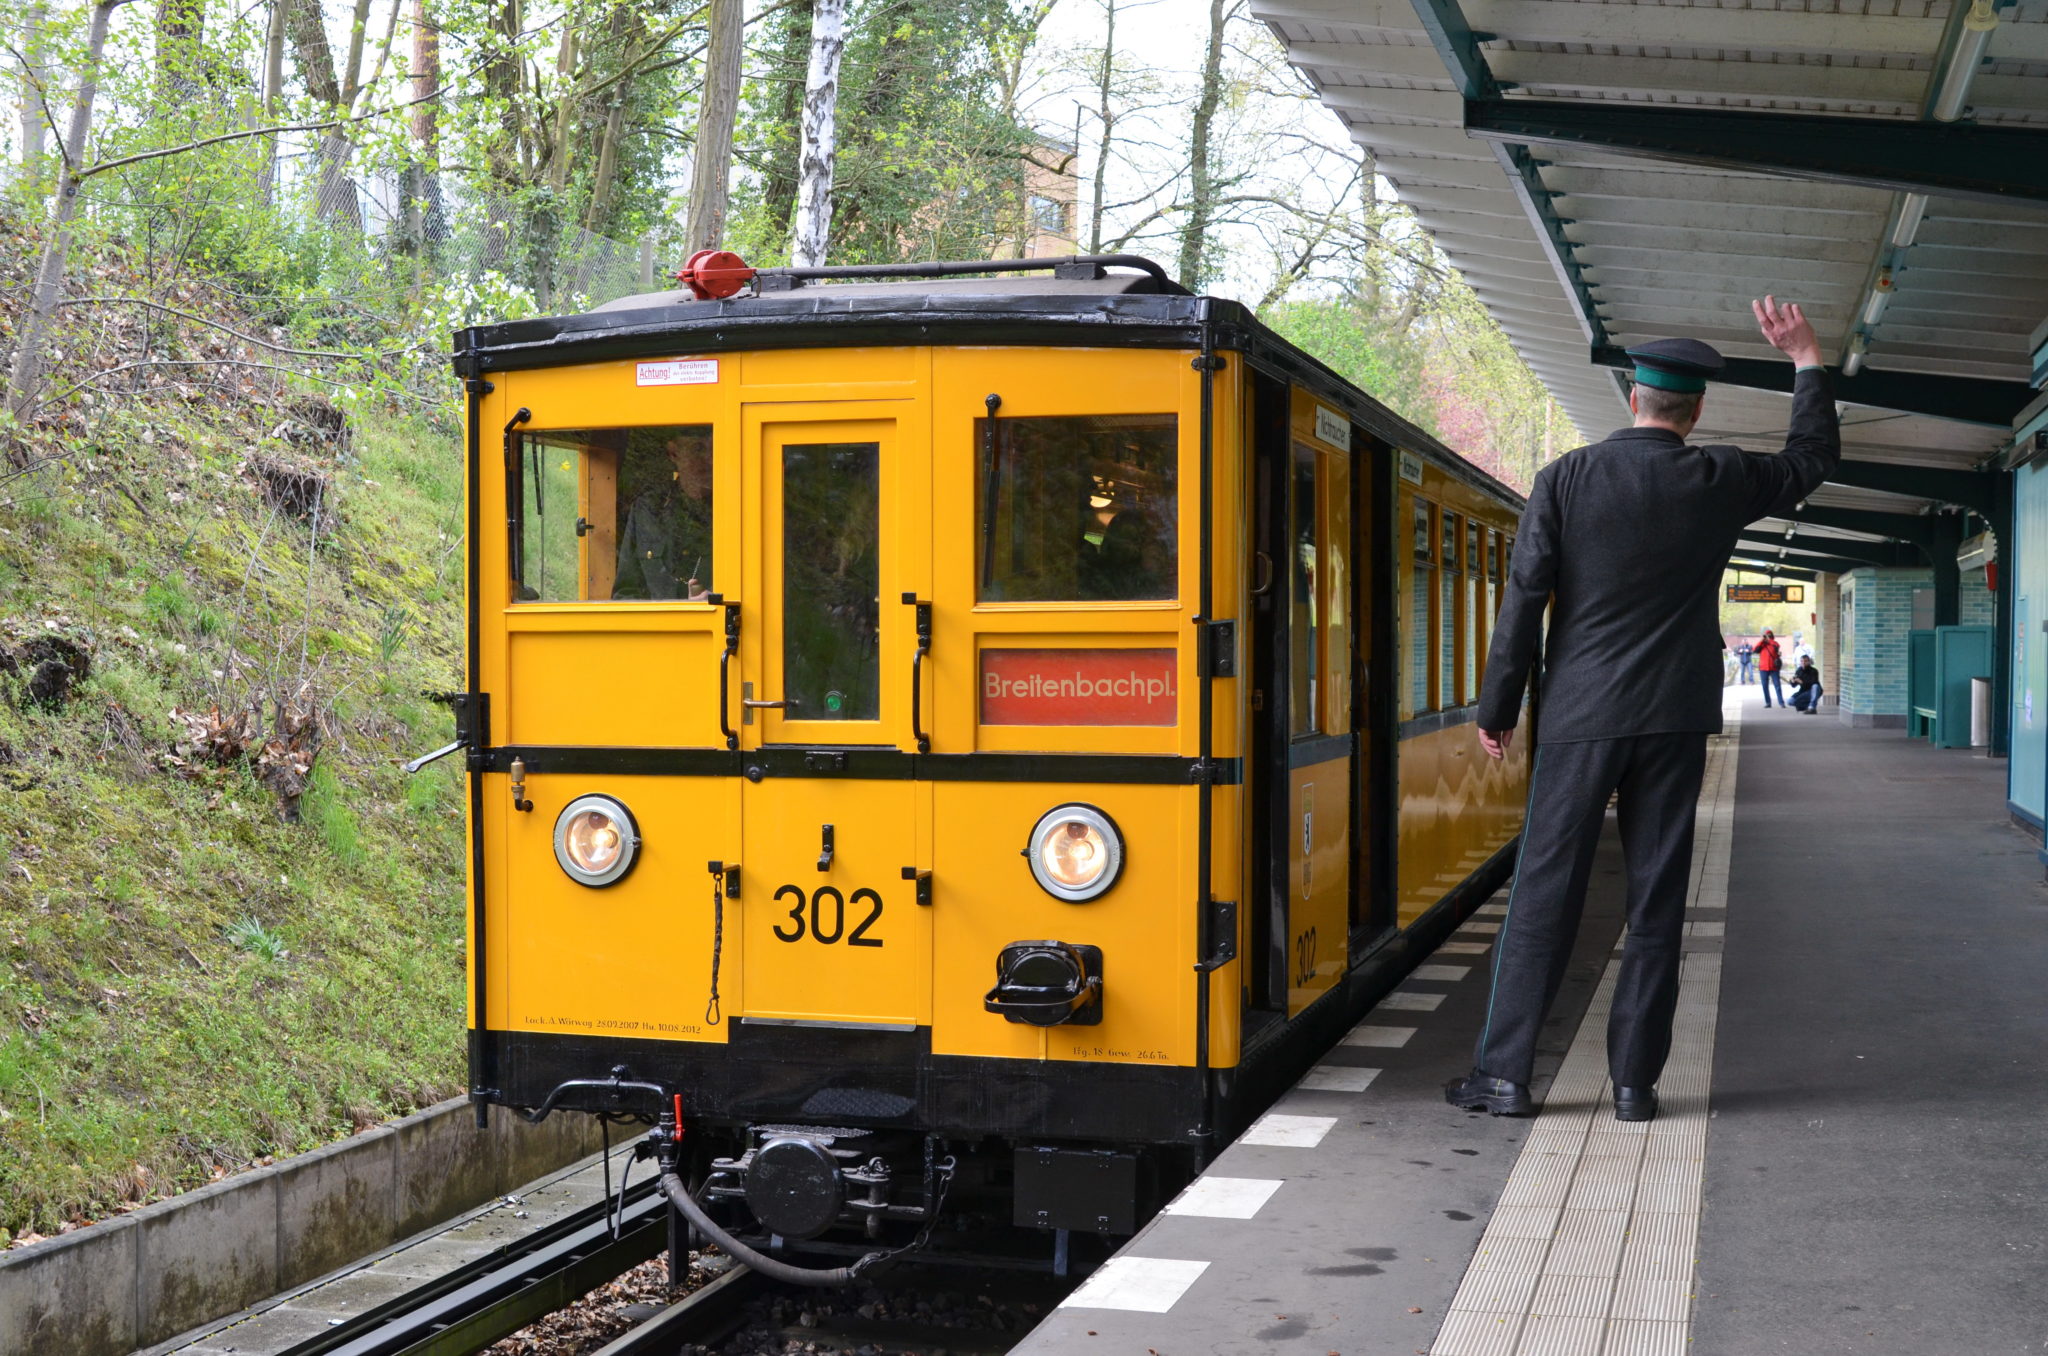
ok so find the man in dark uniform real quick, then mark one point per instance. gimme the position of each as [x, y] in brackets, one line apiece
[1625, 540]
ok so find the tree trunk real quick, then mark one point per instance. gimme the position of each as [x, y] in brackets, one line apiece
[352, 75]
[717, 109]
[425, 218]
[607, 159]
[180, 49]
[1107, 115]
[273, 90]
[813, 229]
[779, 193]
[565, 111]
[32, 83]
[26, 375]
[334, 195]
[1194, 236]
[501, 83]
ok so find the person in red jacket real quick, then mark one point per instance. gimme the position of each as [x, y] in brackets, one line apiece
[1770, 662]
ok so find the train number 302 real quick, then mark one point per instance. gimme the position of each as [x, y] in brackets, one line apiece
[825, 913]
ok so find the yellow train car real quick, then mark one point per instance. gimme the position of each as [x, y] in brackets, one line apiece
[937, 732]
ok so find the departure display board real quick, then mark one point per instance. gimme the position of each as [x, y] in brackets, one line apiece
[1766, 593]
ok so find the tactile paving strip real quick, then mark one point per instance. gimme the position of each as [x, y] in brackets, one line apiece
[1592, 1248]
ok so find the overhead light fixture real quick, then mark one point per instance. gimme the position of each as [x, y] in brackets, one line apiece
[1912, 207]
[1788, 532]
[1853, 363]
[1880, 297]
[1964, 61]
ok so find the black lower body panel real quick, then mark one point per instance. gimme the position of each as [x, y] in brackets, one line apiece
[876, 1079]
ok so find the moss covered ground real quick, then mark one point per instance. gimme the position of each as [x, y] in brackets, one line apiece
[211, 954]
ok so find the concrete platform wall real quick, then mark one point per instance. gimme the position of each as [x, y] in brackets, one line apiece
[137, 1279]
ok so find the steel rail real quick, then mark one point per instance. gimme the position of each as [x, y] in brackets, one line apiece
[477, 1304]
[690, 1319]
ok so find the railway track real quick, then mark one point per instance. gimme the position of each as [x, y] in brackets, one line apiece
[914, 1311]
[475, 1305]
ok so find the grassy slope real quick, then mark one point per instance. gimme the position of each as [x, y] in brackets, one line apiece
[191, 982]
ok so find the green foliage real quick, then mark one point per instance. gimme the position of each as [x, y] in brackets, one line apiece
[251, 936]
[1363, 348]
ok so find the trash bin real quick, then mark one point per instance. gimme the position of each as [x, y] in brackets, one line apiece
[1980, 713]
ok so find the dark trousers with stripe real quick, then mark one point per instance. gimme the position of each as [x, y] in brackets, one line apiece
[1657, 778]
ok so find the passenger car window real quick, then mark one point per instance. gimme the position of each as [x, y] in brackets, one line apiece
[1422, 592]
[1078, 508]
[614, 514]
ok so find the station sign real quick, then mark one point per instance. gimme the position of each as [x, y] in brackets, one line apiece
[1079, 687]
[1766, 593]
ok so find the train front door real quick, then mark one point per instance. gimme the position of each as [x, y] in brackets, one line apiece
[832, 931]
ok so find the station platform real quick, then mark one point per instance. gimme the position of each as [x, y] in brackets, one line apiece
[1851, 1156]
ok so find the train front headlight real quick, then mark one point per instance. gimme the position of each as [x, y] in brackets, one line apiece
[596, 840]
[1076, 852]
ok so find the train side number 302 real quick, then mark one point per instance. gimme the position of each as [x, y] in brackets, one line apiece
[821, 915]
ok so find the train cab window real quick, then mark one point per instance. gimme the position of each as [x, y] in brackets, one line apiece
[1080, 508]
[1421, 607]
[1305, 621]
[609, 515]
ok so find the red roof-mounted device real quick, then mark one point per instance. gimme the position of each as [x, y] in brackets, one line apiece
[714, 275]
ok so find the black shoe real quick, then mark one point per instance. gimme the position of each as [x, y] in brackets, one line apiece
[1635, 1104]
[1483, 1092]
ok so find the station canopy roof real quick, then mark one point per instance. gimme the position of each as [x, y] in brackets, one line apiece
[1609, 173]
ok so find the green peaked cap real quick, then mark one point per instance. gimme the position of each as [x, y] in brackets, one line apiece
[1681, 365]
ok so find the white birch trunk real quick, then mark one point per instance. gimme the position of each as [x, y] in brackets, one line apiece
[812, 230]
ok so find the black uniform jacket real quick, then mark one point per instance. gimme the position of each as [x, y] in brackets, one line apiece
[1629, 537]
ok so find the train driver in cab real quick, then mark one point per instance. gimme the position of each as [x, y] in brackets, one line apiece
[665, 516]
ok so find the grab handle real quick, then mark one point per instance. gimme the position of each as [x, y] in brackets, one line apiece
[732, 645]
[924, 647]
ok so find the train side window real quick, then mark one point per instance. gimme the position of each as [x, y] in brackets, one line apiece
[1081, 508]
[1470, 633]
[1421, 607]
[1336, 572]
[1305, 621]
[1447, 616]
[614, 514]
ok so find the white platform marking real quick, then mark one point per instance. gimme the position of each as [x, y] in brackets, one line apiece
[1616, 1276]
[1144, 1285]
[1282, 1131]
[1337, 1078]
[1378, 1037]
[1440, 972]
[1483, 929]
[1491, 911]
[1464, 948]
[1400, 1001]
[1224, 1197]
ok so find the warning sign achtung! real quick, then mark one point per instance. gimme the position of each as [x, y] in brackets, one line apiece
[1078, 687]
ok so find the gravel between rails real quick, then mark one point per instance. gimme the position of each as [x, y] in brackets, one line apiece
[912, 1311]
[608, 1311]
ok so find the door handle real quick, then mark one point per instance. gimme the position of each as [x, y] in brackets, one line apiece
[924, 647]
[1263, 569]
[732, 646]
[826, 852]
[767, 706]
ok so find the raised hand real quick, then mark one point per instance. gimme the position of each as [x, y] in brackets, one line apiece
[1788, 330]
